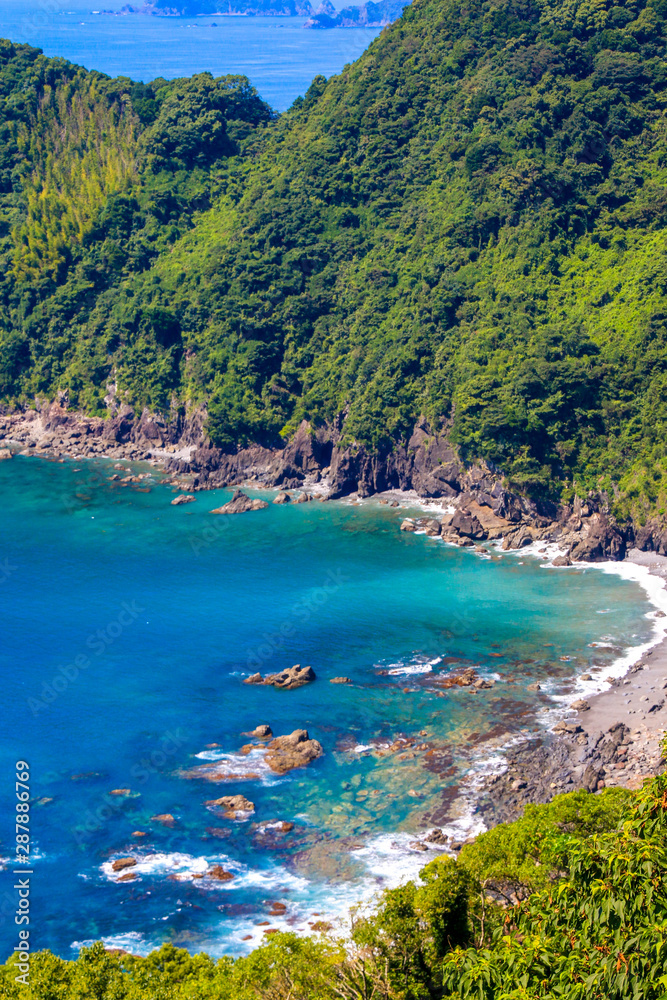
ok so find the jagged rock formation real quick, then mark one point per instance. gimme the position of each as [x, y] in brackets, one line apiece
[368, 15]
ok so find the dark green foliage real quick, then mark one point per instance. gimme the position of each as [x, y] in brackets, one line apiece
[468, 223]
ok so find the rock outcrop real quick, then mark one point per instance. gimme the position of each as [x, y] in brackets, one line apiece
[286, 680]
[288, 752]
[234, 806]
[426, 463]
[240, 503]
[120, 864]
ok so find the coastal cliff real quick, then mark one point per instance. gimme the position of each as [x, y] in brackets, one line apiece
[483, 507]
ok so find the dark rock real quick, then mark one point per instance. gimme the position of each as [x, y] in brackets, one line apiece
[468, 525]
[240, 504]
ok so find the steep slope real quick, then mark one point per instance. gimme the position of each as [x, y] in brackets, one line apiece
[467, 225]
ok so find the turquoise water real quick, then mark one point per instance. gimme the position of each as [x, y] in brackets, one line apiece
[128, 627]
[280, 58]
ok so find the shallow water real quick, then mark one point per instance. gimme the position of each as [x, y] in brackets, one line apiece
[276, 53]
[128, 627]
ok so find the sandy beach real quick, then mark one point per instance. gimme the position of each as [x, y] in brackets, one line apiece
[638, 700]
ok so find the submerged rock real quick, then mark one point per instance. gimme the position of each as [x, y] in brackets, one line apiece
[240, 504]
[166, 819]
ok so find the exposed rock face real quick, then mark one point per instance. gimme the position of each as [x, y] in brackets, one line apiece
[292, 677]
[467, 524]
[547, 766]
[652, 537]
[234, 805]
[263, 732]
[296, 750]
[368, 15]
[240, 504]
[340, 680]
[427, 463]
[283, 498]
[218, 873]
[121, 863]
[183, 498]
[5, 453]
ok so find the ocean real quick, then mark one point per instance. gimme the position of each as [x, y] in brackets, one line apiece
[276, 53]
[129, 626]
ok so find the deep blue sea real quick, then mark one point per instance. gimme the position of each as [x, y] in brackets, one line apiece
[128, 626]
[276, 53]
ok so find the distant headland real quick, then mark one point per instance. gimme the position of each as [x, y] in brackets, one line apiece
[367, 15]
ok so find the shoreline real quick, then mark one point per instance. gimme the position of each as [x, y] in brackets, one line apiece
[614, 741]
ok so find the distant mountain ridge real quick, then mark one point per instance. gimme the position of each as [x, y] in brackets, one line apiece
[222, 8]
[368, 15]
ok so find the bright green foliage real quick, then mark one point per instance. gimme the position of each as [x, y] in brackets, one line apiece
[600, 933]
[468, 223]
[597, 927]
[514, 861]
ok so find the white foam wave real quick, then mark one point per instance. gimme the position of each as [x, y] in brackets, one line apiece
[238, 766]
[132, 941]
[419, 667]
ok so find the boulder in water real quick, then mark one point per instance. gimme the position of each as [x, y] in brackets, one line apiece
[296, 750]
[240, 503]
[292, 677]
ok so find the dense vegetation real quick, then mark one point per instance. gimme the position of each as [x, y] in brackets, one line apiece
[570, 902]
[468, 223]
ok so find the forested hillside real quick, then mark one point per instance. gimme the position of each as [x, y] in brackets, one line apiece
[568, 903]
[466, 224]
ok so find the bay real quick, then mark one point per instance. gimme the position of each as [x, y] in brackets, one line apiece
[276, 53]
[129, 626]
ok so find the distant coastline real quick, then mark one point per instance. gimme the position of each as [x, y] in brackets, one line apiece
[325, 16]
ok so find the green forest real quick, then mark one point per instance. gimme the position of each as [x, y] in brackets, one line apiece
[567, 903]
[467, 224]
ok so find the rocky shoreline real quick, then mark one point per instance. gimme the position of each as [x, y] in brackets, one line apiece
[603, 744]
[477, 505]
